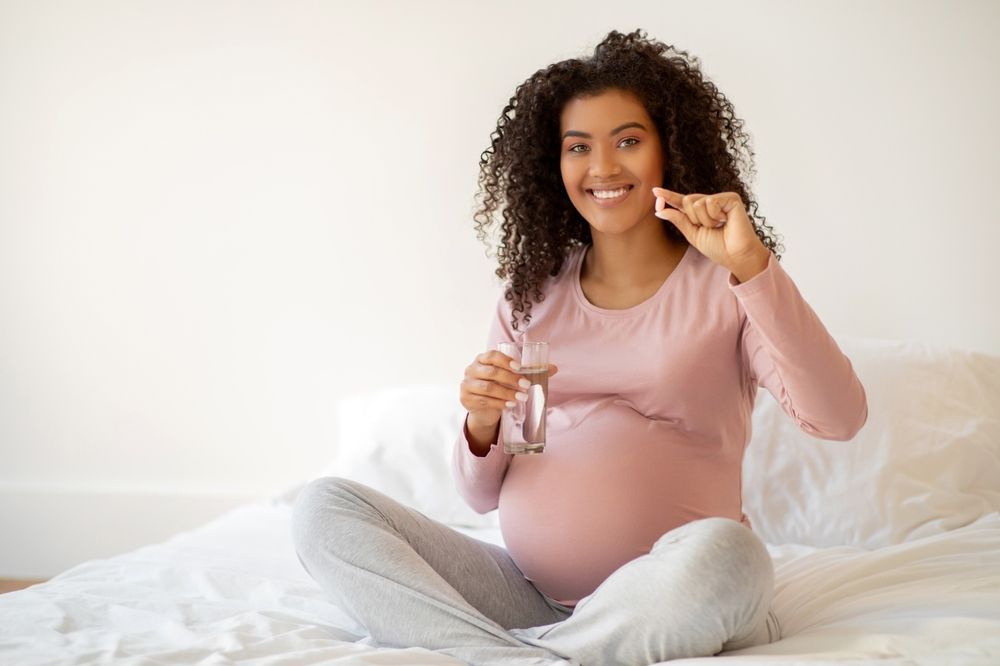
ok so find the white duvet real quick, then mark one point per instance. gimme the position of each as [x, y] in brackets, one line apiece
[233, 591]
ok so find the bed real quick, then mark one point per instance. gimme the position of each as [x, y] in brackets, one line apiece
[886, 547]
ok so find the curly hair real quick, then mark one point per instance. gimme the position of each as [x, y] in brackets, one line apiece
[703, 142]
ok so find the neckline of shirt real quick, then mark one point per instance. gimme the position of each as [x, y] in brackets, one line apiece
[635, 309]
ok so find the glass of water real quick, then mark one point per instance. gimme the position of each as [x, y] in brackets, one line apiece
[523, 425]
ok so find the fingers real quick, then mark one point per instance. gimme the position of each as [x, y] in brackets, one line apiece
[694, 208]
[665, 200]
[704, 217]
[714, 210]
[668, 201]
[477, 402]
[699, 209]
[498, 358]
[485, 394]
[498, 367]
[665, 197]
[489, 383]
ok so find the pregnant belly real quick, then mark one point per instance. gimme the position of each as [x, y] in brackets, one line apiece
[602, 493]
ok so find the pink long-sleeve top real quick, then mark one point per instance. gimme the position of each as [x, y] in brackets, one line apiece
[650, 413]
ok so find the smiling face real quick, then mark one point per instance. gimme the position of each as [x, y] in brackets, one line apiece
[609, 142]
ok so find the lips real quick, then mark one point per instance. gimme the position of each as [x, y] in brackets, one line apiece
[608, 203]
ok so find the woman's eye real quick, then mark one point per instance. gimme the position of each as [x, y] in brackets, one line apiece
[573, 148]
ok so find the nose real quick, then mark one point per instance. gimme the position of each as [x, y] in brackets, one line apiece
[604, 162]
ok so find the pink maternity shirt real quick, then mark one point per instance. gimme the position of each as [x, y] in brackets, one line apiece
[650, 413]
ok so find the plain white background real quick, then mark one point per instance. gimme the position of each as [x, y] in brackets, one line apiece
[217, 218]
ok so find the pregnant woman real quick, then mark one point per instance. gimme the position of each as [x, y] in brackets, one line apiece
[627, 245]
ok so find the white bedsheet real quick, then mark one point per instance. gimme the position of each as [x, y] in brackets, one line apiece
[233, 591]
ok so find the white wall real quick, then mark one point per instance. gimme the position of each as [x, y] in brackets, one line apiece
[217, 218]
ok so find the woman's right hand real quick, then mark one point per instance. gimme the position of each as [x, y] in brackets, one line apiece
[490, 384]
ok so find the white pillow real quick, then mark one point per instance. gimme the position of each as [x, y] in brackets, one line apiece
[399, 441]
[927, 460]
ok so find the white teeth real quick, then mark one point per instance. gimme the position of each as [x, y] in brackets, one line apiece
[609, 194]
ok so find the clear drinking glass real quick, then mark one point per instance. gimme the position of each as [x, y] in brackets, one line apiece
[523, 425]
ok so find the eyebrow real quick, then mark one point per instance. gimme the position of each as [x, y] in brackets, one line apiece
[611, 133]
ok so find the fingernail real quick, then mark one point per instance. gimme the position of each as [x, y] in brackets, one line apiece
[511, 403]
[524, 383]
[514, 365]
[521, 396]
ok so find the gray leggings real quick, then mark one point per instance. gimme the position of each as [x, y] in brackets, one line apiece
[411, 581]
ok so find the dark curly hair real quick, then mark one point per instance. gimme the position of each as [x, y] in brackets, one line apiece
[702, 139]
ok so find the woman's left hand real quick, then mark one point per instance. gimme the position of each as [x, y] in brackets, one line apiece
[717, 226]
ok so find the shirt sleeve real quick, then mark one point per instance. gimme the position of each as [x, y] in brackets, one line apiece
[479, 478]
[787, 350]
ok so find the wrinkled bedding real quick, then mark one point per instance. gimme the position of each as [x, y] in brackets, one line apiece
[233, 591]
